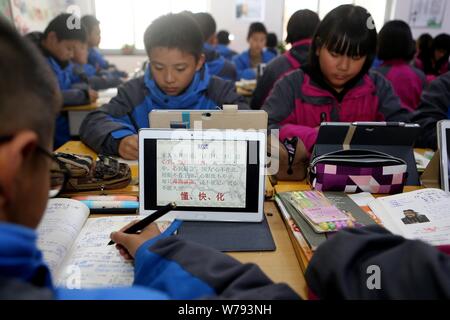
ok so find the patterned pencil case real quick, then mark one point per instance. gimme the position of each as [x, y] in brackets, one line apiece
[358, 171]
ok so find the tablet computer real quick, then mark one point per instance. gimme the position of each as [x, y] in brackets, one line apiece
[443, 136]
[211, 175]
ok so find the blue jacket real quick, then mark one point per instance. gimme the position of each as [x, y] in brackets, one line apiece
[103, 129]
[218, 65]
[225, 51]
[96, 59]
[165, 268]
[244, 66]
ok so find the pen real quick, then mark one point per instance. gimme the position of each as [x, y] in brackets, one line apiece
[380, 124]
[111, 204]
[148, 220]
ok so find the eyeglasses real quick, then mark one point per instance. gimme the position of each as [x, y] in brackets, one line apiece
[59, 174]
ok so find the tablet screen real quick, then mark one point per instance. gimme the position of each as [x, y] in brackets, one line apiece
[201, 175]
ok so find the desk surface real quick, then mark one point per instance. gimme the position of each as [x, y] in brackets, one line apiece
[280, 265]
[88, 107]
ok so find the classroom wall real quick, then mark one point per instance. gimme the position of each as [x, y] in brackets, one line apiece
[402, 10]
[224, 13]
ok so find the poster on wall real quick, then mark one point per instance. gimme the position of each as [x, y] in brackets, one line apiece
[250, 10]
[31, 15]
[427, 13]
[5, 10]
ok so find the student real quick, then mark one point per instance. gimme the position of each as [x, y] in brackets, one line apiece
[336, 85]
[82, 72]
[370, 263]
[272, 43]
[434, 106]
[223, 42]
[57, 44]
[176, 79]
[247, 62]
[95, 58]
[435, 62]
[217, 65]
[300, 29]
[166, 267]
[396, 47]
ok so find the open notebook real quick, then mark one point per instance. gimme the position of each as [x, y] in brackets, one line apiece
[423, 214]
[75, 247]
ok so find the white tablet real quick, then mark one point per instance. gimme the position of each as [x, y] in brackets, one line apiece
[211, 175]
[443, 136]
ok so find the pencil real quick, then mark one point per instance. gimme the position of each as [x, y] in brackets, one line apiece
[148, 220]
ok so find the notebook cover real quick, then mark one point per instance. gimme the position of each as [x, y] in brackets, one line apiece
[229, 236]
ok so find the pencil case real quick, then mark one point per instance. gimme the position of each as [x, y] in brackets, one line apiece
[354, 171]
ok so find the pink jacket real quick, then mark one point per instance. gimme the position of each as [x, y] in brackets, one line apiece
[297, 105]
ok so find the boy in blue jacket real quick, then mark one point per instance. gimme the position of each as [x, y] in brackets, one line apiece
[57, 43]
[177, 78]
[217, 65]
[96, 61]
[165, 266]
[247, 62]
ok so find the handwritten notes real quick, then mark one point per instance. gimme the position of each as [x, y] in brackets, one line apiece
[202, 173]
[62, 221]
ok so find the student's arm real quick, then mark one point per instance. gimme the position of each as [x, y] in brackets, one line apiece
[102, 83]
[280, 106]
[224, 92]
[243, 71]
[186, 270]
[433, 107]
[75, 97]
[343, 267]
[103, 129]
[389, 105]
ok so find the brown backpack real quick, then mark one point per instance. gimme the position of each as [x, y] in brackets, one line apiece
[292, 157]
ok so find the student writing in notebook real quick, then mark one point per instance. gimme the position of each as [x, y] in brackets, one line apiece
[300, 30]
[165, 266]
[177, 78]
[336, 85]
[57, 44]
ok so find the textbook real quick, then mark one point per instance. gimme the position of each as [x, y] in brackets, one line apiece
[75, 246]
[422, 214]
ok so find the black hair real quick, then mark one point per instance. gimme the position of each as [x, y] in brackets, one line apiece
[424, 42]
[89, 22]
[176, 31]
[441, 42]
[207, 24]
[29, 95]
[347, 30]
[256, 27]
[223, 37]
[302, 25]
[66, 27]
[395, 41]
[272, 40]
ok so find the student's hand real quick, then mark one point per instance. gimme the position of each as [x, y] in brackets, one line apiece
[129, 148]
[128, 244]
[93, 95]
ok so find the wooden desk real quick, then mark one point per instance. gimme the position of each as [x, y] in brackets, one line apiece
[280, 265]
[88, 107]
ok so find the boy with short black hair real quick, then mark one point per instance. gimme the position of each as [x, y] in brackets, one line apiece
[223, 42]
[177, 78]
[217, 65]
[166, 267]
[57, 43]
[247, 62]
[95, 58]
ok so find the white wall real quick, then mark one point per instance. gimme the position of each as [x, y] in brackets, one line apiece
[224, 13]
[402, 10]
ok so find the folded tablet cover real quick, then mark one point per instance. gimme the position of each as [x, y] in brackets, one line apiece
[229, 236]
